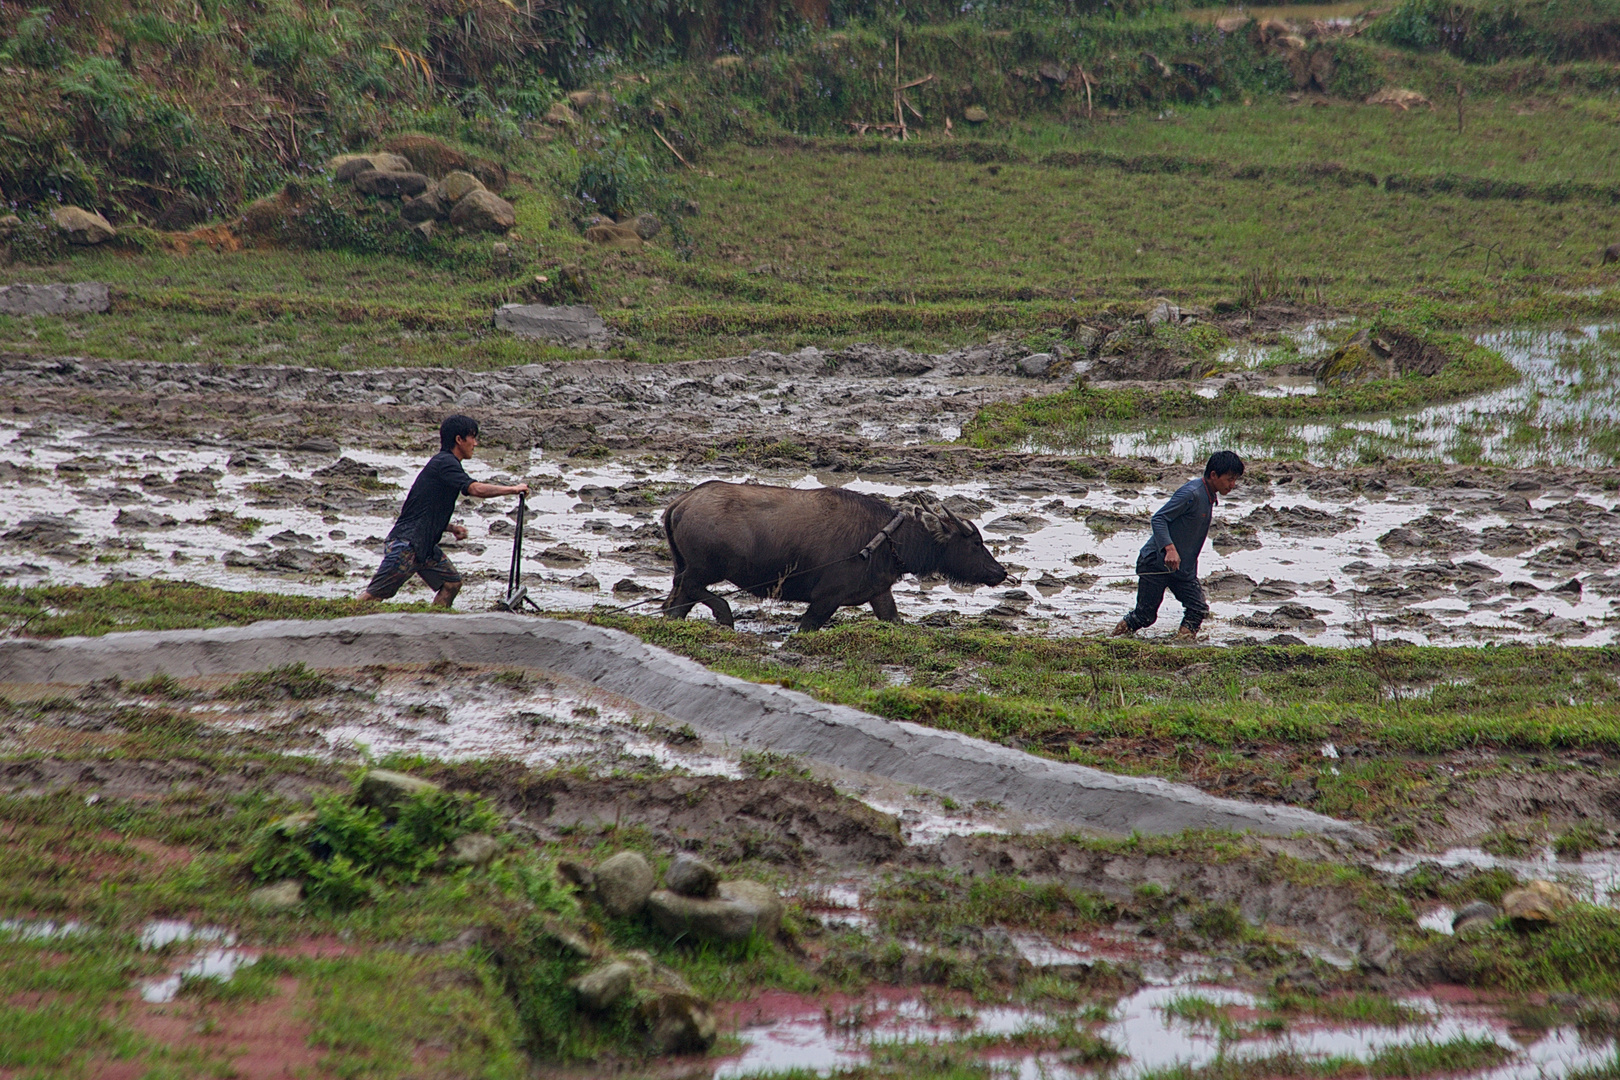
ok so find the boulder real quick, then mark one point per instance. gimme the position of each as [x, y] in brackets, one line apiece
[689, 875]
[623, 883]
[348, 166]
[457, 184]
[427, 154]
[425, 229]
[647, 226]
[974, 114]
[561, 115]
[601, 987]
[614, 236]
[678, 1021]
[577, 325]
[83, 227]
[741, 909]
[1036, 364]
[428, 206]
[473, 849]
[80, 298]
[483, 211]
[388, 791]
[1539, 901]
[1397, 98]
[1473, 917]
[492, 174]
[570, 939]
[390, 185]
[281, 896]
[1231, 24]
[584, 99]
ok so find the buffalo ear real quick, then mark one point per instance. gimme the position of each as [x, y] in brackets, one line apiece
[933, 524]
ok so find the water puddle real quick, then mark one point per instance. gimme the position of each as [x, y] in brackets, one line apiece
[220, 962]
[40, 929]
[1595, 878]
[1156, 1029]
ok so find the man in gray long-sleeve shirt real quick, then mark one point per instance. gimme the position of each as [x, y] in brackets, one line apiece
[1169, 560]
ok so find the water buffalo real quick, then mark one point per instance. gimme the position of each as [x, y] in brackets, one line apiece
[805, 545]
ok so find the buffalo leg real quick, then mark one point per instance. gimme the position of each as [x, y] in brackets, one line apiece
[883, 607]
[816, 616]
[721, 609]
[687, 594]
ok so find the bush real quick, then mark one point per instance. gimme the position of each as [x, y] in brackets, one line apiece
[1486, 31]
[349, 850]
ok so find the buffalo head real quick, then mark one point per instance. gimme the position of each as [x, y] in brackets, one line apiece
[950, 546]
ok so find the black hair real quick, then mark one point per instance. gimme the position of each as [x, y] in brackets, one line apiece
[456, 426]
[1224, 463]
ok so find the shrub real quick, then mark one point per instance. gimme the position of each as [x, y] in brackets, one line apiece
[349, 850]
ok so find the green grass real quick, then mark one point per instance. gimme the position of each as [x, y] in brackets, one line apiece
[70, 610]
[829, 240]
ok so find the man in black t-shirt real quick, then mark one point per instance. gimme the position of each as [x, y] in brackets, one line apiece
[413, 543]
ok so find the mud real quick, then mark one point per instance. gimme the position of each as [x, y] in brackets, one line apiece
[1301, 554]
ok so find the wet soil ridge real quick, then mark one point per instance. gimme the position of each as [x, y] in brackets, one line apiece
[962, 768]
[622, 402]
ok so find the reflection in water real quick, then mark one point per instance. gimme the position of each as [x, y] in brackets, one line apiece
[1563, 411]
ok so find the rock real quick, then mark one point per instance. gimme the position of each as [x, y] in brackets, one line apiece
[576, 325]
[647, 226]
[1397, 98]
[677, 1021]
[1231, 24]
[282, 896]
[567, 937]
[483, 211]
[741, 909]
[561, 115]
[492, 174]
[576, 874]
[1539, 901]
[1356, 361]
[614, 236]
[584, 583]
[584, 99]
[974, 114]
[388, 791]
[83, 297]
[689, 875]
[142, 519]
[1036, 364]
[600, 987]
[1052, 72]
[623, 883]
[426, 154]
[473, 849]
[294, 825]
[428, 206]
[83, 227]
[9, 224]
[390, 184]
[1610, 253]
[455, 186]
[1478, 915]
[348, 166]
[425, 229]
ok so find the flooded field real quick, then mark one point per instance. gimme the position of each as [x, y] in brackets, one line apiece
[1560, 413]
[1307, 559]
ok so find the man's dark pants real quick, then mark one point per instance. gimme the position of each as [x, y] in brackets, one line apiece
[1150, 588]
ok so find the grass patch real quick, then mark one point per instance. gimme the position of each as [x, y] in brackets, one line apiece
[51, 611]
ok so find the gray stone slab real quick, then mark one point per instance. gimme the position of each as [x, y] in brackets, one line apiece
[743, 714]
[79, 298]
[577, 325]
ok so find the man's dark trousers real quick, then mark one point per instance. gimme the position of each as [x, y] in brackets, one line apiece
[1150, 589]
